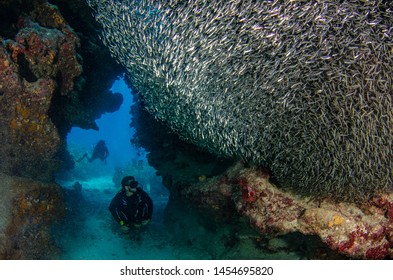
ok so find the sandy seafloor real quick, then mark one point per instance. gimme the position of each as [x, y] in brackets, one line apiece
[88, 231]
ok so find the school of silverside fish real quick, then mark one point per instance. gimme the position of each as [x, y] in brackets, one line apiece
[302, 87]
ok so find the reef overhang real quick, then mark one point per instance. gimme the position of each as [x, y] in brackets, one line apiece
[304, 88]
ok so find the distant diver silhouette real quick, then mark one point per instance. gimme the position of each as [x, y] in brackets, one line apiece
[100, 152]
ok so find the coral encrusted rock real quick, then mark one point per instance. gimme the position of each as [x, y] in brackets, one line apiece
[30, 66]
[357, 231]
[27, 212]
[44, 90]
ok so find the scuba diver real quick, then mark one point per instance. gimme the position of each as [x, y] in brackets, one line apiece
[100, 152]
[131, 206]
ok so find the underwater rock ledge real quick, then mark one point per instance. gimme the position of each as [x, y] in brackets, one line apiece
[356, 231]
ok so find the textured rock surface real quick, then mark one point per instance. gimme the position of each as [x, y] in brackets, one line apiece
[29, 66]
[52, 77]
[28, 210]
[91, 96]
[43, 92]
[363, 231]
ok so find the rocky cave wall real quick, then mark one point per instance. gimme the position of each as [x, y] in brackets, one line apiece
[53, 77]
[54, 74]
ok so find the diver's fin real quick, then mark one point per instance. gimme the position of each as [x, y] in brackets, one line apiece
[84, 156]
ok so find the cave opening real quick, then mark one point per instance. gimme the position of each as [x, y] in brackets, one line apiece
[88, 230]
[178, 230]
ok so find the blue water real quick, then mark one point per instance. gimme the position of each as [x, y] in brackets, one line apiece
[176, 231]
[114, 129]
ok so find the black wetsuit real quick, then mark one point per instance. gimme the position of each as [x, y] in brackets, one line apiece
[100, 151]
[131, 209]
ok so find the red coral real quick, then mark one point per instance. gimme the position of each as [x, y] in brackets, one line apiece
[379, 234]
[248, 193]
[363, 236]
[346, 245]
[378, 253]
[389, 212]
[384, 204]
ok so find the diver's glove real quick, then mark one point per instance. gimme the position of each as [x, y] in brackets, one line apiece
[124, 224]
[125, 228]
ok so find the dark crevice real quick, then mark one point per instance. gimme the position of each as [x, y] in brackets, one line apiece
[24, 69]
[10, 11]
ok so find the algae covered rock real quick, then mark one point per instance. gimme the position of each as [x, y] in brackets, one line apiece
[29, 210]
[359, 231]
[43, 88]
